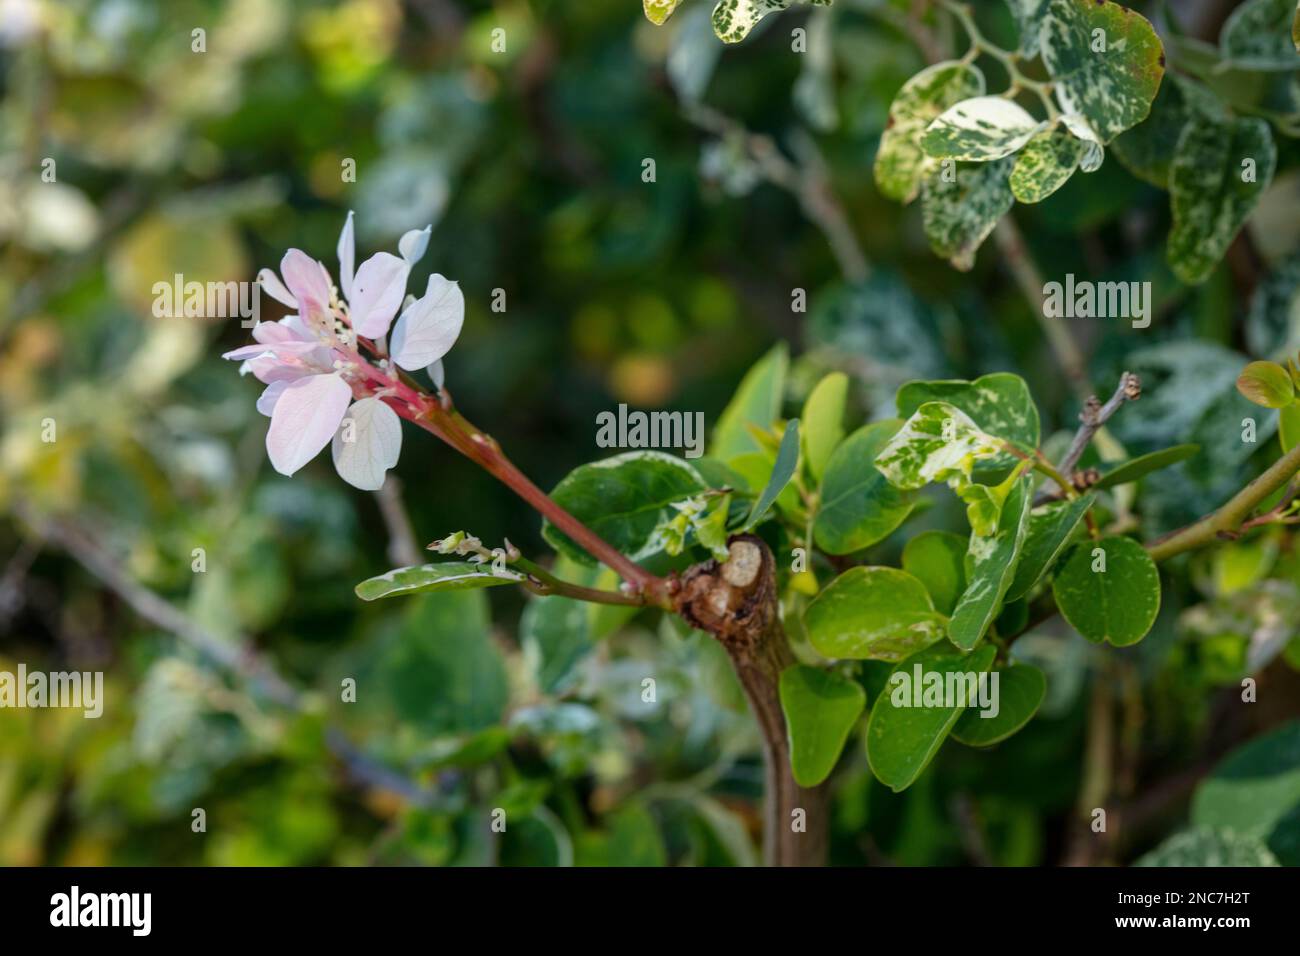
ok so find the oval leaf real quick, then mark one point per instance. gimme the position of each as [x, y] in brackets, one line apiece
[449, 576]
[1109, 591]
[871, 613]
[1017, 691]
[820, 709]
[938, 560]
[858, 504]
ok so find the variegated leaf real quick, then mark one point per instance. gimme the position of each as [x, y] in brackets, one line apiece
[1106, 62]
[980, 129]
[733, 19]
[1147, 150]
[939, 442]
[1029, 16]
[960, 209]
[657, 11]
[1046, 164]
[991, 560]
[901, 164]
[1258, 36]
[1220, 171]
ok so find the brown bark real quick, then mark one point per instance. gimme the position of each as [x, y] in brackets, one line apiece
[736, 602]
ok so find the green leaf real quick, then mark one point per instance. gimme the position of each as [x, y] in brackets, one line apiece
[1288, 426]
[1118, 601]
[820, 709]
[757, 402]
[1209, 191]
[1259, 36]
[733, 19]
[902, 740]
[938, 560]
[556, 631]
[623, 499]
[980, 129]
[992, 567]
[858, 504]
[1050, 529]
[823, 421]
[1267, 384]
[960, 210]
[1126, 471]
[901, 165]
[441, 670]
[1205, 847]
[1019, 692]
[1046, 164]
[449, 576]
[711, 530]
[939, 442]
[787, 459]
[999, 404]
[1112, 88]
[871, 613]
[1255, 787]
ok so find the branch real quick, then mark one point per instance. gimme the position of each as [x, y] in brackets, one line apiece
[808, 181]
[1228, 521]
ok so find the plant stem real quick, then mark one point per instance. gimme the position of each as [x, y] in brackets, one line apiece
[483, 450]
[1228, 520]
[736, 602]
[547, 583]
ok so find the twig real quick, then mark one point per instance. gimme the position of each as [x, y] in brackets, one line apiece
[1095, 415]
[808, 181]
[1229, 520]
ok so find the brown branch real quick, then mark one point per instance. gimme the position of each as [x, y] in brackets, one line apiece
[736, 602]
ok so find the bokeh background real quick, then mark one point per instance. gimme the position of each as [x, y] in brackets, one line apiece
[223, 686]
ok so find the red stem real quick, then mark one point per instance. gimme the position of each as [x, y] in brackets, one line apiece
[484, 451]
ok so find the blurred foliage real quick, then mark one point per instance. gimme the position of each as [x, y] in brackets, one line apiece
[528, 162]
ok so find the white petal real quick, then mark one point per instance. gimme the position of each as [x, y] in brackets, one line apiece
[306, 416]
[377, 292]
[413, 244]
[437, 374]
[367, 444]
[1078, 124]
[347, 257]
[306, 279]
[275, 288]
[429, 328]
[270, 395]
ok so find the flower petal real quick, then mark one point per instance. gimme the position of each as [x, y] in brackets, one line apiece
[437, 374]
[377, 292]
[429, 328]
[267, 369]
[278, 349]
[347, 257]
[273, 287]
[413, 244]
[306, 279]
[306, 416]
[270, 395]
[367, 443]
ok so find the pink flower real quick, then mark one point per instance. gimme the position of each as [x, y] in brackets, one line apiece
[320, 388]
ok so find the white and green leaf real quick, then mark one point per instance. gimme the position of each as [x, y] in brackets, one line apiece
[980, 129]
[961, 205]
